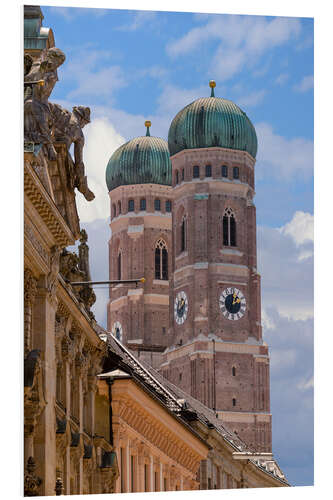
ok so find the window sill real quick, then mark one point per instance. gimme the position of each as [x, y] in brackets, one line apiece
[161, 282]
[231, 251]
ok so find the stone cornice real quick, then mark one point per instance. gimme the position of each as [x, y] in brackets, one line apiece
[204, 154]
[68, 305]
[46, 208]
[131, 406]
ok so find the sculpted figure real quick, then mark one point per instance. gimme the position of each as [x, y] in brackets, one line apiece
[39, 81]
[68, 128]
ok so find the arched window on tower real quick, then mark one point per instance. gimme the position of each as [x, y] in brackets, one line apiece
[183, 238]
[229, 228]
[119, 207]
[119, 266]
[114, 210]
[161, 260]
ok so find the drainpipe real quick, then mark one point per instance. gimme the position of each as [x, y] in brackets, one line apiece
[214, 377]
[109, 381]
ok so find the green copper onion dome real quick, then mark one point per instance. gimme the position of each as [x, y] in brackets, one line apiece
[212, 122]
[142, 160]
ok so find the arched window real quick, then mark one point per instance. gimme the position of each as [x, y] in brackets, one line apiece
[183, 174]
[119, 266]
[143, 204]
[229, 228]
[114, 210]
[177, 177]
[168, 206]
[233, 402]
[224, 171]
[119, 207]
[235, 171]
[233, 371]
[161, 260]
[183, 242]
[157, 204]
[208, 170]
[131, 205]
[196, 172]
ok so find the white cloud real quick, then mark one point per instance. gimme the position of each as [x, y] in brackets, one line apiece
[70, 13]
[287, 279]
[300, 228]
[242, 40]
[96, 83]
[282, 79]
[140, 18]
[305, 84]
[101, 140]
[173, 99]
[282, 158]
[252, 99]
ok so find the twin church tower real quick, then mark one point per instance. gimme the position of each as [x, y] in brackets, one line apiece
[182, 217]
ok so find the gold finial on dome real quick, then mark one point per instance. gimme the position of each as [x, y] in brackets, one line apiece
[212, 85]
[148, 124]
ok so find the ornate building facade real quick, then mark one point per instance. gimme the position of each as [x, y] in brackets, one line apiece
[63, 353]
[213, 346]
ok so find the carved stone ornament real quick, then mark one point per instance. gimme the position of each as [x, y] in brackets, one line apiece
[30, 290]
[54, 270]
[68, 129]
[30, 286]
[39, 81]
[34, 400]
[32, 482]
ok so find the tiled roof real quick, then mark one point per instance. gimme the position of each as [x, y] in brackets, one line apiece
[181, 403]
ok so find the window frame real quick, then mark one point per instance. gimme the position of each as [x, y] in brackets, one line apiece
[131, 205]
[157, 204]
[196, 172]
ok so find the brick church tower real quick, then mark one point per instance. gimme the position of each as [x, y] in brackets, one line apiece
[138, 177]
[216, 352]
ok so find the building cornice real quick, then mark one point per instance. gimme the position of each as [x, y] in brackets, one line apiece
[46, 208]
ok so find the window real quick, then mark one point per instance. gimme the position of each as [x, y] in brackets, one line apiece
[236, 172]
[196, 172]
[119, 266]
[157, 204]
[161, 260]
[156, 481]
[224, 170]
[233, 402]
[168, 206]
[146, 477]
[183, 174]
[208, 170]
[177, 177]
[233, 371]
[180, 376]
[131, 205]
[122, 470]
[183, 235]
[143, 204]
[165, 483]
[114, 210]
[132, 473]
[229, 228]
[119, 207]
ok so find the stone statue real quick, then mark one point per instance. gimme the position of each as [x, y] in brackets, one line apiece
[39, 80]
[68, 129]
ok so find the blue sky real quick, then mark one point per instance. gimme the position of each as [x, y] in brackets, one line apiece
[129, 66]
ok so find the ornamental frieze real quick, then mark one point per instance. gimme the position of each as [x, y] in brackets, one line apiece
[35, 242]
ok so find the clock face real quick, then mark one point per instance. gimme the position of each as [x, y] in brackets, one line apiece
[117, 331]
[232, 303]
[181, 308]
